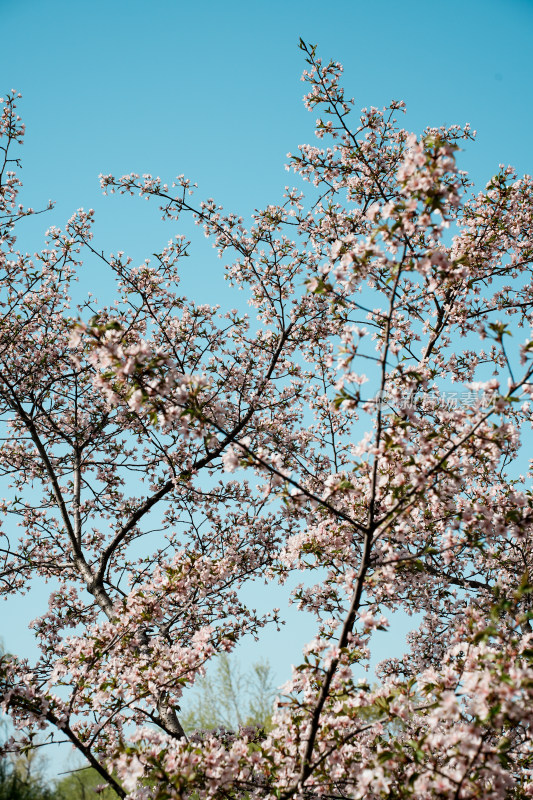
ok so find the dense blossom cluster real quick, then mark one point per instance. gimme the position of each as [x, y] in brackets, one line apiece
[163, 453]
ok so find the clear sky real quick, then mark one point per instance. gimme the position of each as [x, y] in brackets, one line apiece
[212, 90]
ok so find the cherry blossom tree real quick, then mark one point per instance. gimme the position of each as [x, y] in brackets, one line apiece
[361, 426]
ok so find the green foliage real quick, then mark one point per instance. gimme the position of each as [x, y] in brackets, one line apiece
[230, 698]
[21, 776]
[81, 785]
[18, 784]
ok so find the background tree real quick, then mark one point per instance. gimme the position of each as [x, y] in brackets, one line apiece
[16, 786]
[230, 698]
[21, 774]
[83, 784]
[389, 496]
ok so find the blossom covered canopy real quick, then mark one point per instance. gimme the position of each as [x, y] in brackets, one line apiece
[310, 436]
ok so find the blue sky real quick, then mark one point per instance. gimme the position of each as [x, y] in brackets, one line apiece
[213, 91]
